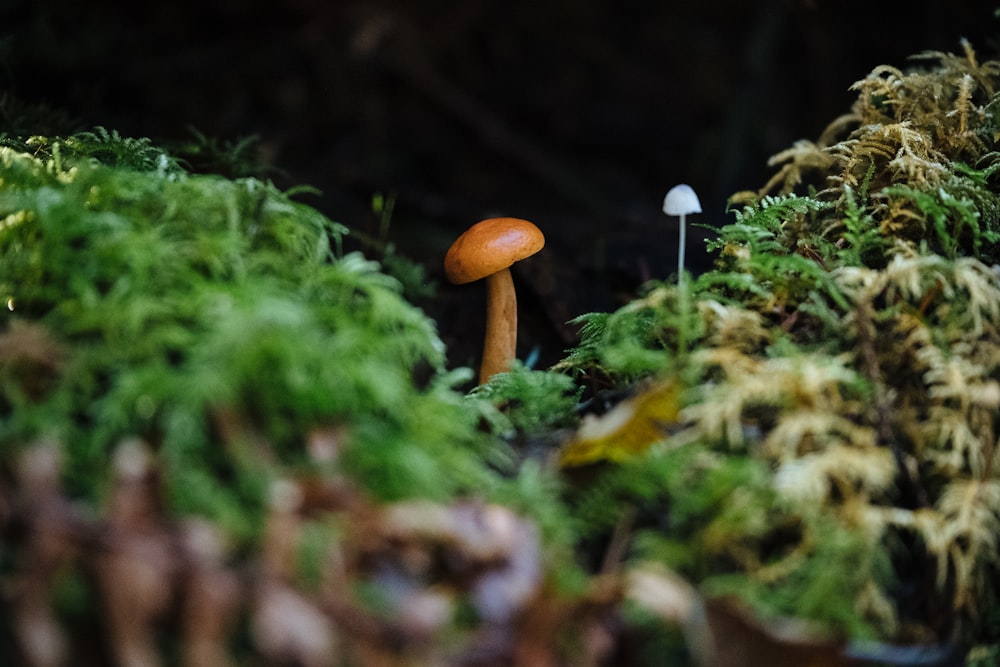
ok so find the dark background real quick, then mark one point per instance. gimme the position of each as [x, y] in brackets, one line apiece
[576, 114]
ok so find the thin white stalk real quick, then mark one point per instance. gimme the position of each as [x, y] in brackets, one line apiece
[682, 289]
[680, 251]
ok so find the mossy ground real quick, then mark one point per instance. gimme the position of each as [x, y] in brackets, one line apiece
[210, 411]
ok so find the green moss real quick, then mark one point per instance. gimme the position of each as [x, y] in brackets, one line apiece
[203, 313]
[847, 340]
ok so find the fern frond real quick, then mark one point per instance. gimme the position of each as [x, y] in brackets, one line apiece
[734, 327]
[532, 400]
[750, 394]
[803, 157]
[963, 400]
[593, 328]
[968, 539]
[112, 149]
[838, 472]
[771, 212]
[879, 93]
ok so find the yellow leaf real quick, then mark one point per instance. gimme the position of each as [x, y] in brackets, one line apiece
[627, 429]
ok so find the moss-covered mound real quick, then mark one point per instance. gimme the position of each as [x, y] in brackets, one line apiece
[848, 343]
[221, 437]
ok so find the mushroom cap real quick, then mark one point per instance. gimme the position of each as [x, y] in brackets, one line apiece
[490, 246]
[681, 200]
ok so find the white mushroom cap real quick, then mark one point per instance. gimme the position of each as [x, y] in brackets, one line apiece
[681, 200]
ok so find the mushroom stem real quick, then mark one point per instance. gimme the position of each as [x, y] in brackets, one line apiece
[681, 245]
[682, 289]
[500, 342]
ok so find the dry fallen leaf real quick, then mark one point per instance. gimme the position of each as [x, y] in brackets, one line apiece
[628, 428]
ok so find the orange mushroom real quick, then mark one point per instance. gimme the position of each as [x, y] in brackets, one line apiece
[487, 250]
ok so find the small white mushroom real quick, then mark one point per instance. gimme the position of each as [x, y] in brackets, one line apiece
[681, 200]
